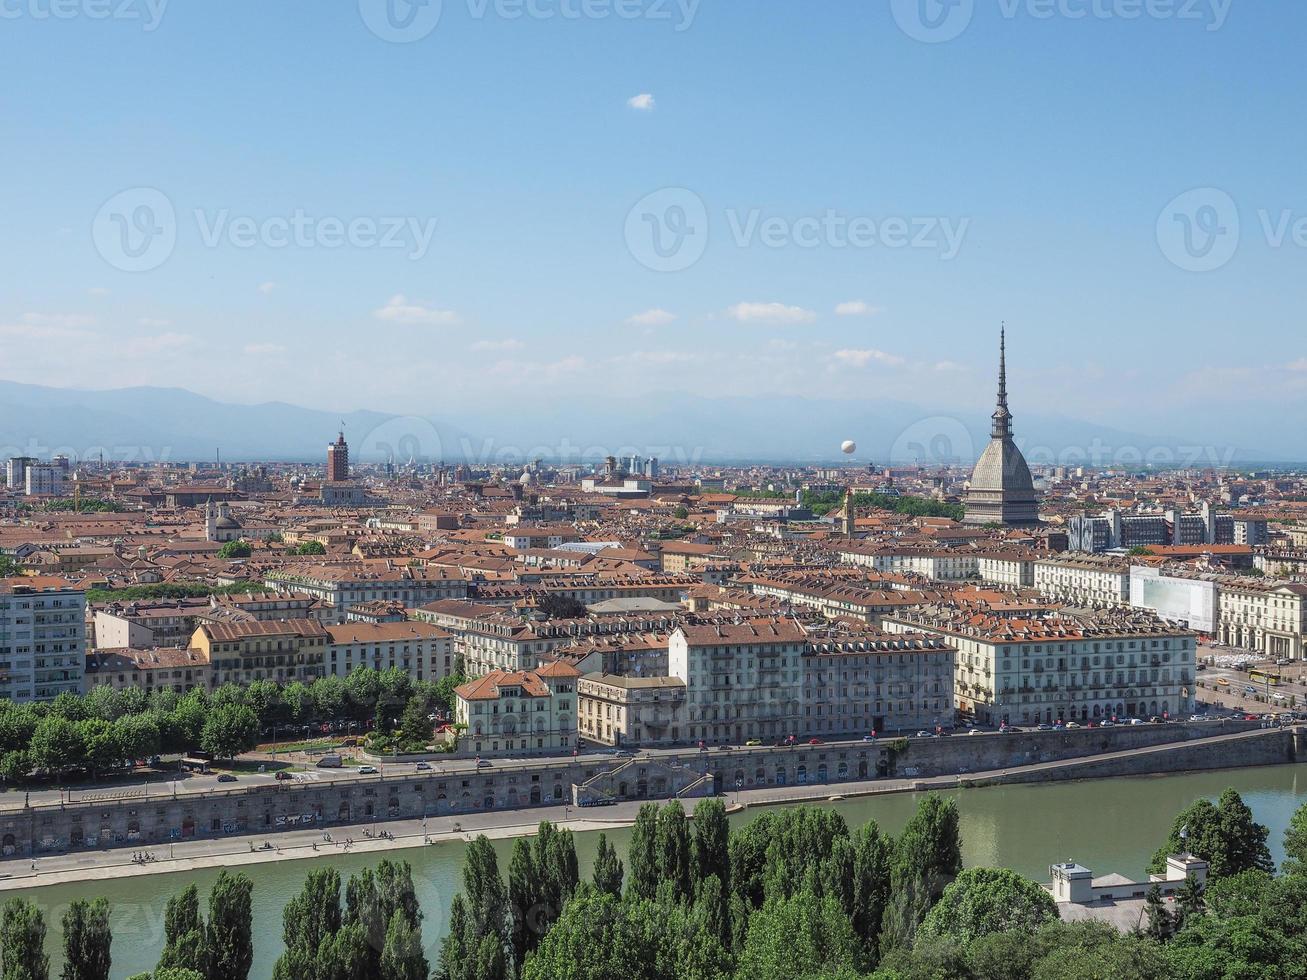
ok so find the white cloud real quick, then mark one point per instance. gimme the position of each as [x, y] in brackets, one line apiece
[154, 323]
[651, 318]
[856, 307]
[508, 343]
[264, 349]
[98, 291]
[654, 358]
[399, 310]
[862, 358]
[1298, 365]
[644, 102]
[949, 366]
[63, 321]
[158, 344]
[770, 313]
[528, 371]
[267, 287]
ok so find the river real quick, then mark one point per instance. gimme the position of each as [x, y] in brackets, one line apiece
[1107, 825]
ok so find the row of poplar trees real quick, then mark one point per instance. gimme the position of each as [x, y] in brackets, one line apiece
[697, 901]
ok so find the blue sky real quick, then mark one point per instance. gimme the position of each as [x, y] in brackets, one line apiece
[1027, 169]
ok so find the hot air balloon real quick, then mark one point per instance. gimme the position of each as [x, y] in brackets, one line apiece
[848, 447]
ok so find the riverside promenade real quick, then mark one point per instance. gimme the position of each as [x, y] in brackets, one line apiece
[1257, 747]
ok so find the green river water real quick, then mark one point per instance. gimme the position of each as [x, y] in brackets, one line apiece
[1107, 825]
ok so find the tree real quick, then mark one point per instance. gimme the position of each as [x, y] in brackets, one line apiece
[673, 850]
[413, 723]
[308, 922]
[230, 941]
[477, 945]
[1295, 843]
[927, 857]
[56, 745]
[872, 852]
[1189, 901]
[230, 730]
[373, 898]
[309, 548]
[680, 513]
[984, 900]
[183, 932]
[642, 854]
[523, 891]
[607, 868]
[402, 957]
[798, 930]
[1224, 835]
[1159, 923]
[87, 939]
[711, 850]
[235, 549]
[22, 942]
[101, 744]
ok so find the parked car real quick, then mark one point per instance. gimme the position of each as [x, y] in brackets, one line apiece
[330, 762]
[814, 741]
[282, 774]
[754, 741]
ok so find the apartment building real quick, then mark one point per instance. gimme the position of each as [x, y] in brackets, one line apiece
[832, 597]
[638, 711]
[1084, 580]
[1062, 667]
[1010, 568]
[518, 712]
[42, 638]
[940, 564]
[767, 678]
[1265, 616]
[423, 651]
[252, 650]
[157, 669]
[344, 584]
[144, 624]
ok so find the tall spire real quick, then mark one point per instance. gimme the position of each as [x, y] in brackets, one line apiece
[1002, 417]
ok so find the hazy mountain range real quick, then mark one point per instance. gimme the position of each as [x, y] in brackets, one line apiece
[173, 424]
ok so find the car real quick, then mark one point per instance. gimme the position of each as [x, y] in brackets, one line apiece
[482, 763]
[1251, 718]
[974, 731]
[1072, 725]
[754, 741]
[226, 777]
[622, 753]
[1043, 728]
[281, 775]
[1107, 724]
[814, 741]
[423, 767]
[1136, 721]
[724, 747]
[367, 770]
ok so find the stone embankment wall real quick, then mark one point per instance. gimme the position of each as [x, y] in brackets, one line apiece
[159, 817]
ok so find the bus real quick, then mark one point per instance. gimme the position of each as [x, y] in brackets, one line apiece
[1264, 677]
